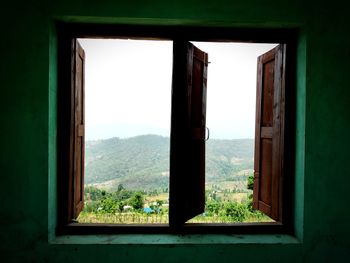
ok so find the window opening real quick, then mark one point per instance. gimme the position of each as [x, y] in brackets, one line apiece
[127, 106]
[230, 117]
[120, 159]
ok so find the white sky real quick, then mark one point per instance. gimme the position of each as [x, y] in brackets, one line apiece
[128, 87]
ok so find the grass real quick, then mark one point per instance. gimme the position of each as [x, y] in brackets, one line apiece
[123, 218]
[252, 218]
[143, 218]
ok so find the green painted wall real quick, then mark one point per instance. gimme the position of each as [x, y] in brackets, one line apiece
[28, 132]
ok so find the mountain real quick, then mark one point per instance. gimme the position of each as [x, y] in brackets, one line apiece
[142, 162]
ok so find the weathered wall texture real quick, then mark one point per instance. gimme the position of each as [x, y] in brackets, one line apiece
[28, 128]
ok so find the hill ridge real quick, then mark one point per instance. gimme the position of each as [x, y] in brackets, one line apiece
[142, 161]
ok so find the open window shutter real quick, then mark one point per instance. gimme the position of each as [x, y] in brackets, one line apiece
[187, 161]
[269, 133]
[77, 131]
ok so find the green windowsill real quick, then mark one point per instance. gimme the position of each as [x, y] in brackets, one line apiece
[166, 239]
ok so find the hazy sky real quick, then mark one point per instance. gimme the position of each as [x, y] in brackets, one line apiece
[128, 87]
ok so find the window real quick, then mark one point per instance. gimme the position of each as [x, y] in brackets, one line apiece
[188, 131]
[269, 133]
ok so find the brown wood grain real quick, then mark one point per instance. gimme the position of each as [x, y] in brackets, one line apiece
[269, 133]
[197, 85]
[265, 172]
[187, 159]
[76, 162]
[79, 130]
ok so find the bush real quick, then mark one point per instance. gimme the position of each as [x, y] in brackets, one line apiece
[108, 205]
[250, 184]
[92, 193]
[213, 208]
[237, 212]
[137, 201]
[91, 206]
[250, 203]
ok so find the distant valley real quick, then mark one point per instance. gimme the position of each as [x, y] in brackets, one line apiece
[142, 162]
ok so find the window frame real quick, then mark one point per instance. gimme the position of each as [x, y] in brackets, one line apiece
[67, 32]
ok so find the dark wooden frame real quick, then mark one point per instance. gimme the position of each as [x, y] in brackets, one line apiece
[187, 138]
[77, 138]
[272, 132]
[69, 31]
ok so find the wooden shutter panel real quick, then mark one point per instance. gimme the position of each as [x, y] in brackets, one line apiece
[187, 160]
[269, 133]
[76, 198]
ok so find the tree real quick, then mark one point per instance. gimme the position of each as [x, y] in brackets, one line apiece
[250, 184]
[120, 187]
[213, 207]
[137, 201]
[238, 212]
[159, 202]
[108, 205]
[93, 193]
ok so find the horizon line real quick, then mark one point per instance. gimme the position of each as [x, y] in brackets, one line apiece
[159, 135]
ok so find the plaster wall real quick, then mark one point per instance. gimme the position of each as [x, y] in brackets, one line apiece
[28, 131]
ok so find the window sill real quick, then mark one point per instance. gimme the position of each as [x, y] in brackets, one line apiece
[169, 239]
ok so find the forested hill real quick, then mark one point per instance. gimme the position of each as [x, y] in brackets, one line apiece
[142, 162]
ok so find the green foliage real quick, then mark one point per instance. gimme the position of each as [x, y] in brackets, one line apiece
[233, 211]
[157, 206]
[137, 201]
[120, 187]
[121, 195]
[103, 201]
[142, 162]
[213, 207]
[130, 162]
[108, 205]
[91, 206]
[159, 202]
[250, 203]
[93, 193]
[238, 212]
[227, 157]
[110, 208]
[250, 184]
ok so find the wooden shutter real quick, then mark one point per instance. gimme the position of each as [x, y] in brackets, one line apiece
[76, 196]
[187, 160]
[269, 133]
